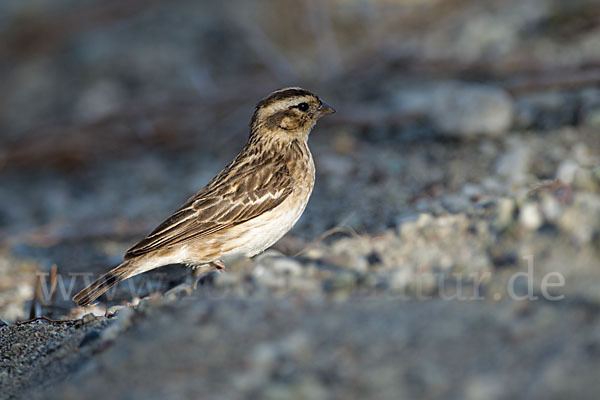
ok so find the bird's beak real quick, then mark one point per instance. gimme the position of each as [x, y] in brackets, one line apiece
[324, 109]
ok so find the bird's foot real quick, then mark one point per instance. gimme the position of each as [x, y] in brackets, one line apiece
[219, 265]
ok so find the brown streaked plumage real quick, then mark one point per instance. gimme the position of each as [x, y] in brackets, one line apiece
[247, 207]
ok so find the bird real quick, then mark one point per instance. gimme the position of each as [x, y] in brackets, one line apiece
[245, 208]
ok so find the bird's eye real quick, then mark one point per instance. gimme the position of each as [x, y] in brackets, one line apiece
[302, 106]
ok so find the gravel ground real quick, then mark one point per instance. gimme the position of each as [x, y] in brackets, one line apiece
[376, 348]
[434, 308]
[38, 354]
[294, 347]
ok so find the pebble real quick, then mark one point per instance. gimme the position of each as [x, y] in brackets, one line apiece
[286, 265]
[582, 218]
[455, 203]
[506, 208]
[586, 179]
[113, 310]
[530, 216]
[87, 318]
[566, 171]
[551, 207]
[584, 155]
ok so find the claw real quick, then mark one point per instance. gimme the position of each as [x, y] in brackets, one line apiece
[220, 265]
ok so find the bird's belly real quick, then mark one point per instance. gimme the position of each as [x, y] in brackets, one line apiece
[260, 233]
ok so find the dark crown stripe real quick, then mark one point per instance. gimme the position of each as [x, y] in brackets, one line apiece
[283, 94]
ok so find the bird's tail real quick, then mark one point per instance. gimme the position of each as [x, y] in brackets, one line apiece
[105, 282]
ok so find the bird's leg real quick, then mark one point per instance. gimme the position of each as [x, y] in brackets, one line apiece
[201, 271]
[220, 266]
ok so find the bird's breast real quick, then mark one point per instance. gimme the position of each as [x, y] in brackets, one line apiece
[258, 234]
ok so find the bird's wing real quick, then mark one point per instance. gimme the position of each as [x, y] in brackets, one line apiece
[231, 198]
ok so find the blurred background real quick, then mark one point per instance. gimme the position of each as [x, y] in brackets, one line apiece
[113, 113]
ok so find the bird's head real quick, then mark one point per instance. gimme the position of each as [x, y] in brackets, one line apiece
[288, 113]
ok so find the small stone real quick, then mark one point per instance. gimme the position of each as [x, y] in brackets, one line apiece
[113, 310]
[424, 220]
[585, 179]
[285, 265]
[493, 185]
[551, 207]
[88, 318]
[530, 216]
[455, 203]
[582, 218]
[505, 213]
[584, 155]
[566, 171]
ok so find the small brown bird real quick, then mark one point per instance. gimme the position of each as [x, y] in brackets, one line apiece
[247, 207]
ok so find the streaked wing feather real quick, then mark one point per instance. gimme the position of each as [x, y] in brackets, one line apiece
[223, 203]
